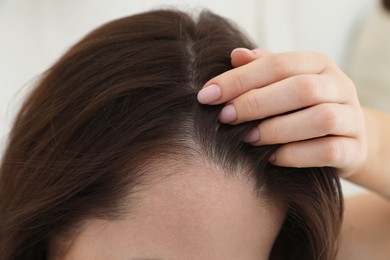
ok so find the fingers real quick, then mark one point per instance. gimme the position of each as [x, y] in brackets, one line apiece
[318, 121]
[261, 72]
[308, 104]
[287, 95]
[242, 56]
[326, 151]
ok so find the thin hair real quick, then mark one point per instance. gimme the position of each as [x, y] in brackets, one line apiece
[123, 98]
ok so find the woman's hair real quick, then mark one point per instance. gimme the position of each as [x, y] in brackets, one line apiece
[386, 4]
[123, 99]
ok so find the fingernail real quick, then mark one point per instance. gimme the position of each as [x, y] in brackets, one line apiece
[243, 50]
[272, 158]
[228, 114]
[209, 94]
[253, 136]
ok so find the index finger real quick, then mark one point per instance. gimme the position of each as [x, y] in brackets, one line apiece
[259, 73]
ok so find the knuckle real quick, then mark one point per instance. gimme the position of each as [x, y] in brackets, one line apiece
[307, 89]
[351, 88]
[324, 57]
[332, 153]
[238, 80]
[252, 106]
[328, 119]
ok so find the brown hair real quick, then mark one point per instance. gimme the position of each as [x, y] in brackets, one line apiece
[123, 97]
[386, 4]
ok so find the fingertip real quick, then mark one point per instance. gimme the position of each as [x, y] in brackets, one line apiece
[253, 136]
[242, 56]
[275, 160]
[272, 159]
[228, 114]
[244, 50]
[209, 94]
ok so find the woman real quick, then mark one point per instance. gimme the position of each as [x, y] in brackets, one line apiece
[112, 156]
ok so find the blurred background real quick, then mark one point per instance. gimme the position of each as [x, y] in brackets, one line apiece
[355, 33]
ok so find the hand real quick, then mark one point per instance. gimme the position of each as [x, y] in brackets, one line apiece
[306, 102]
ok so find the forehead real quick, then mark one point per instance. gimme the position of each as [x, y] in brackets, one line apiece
[196, 213]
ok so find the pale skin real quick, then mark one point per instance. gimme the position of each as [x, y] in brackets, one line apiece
[324, 126]
[197, 213]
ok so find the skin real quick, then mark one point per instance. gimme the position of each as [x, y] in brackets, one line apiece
[328, 108]
[201, 214]
[311, 107]
[324, 126]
